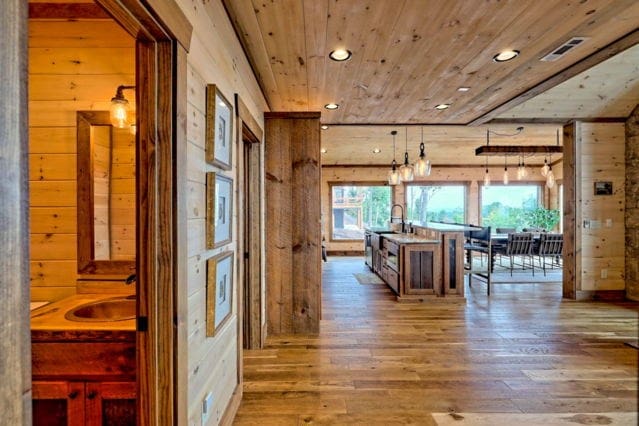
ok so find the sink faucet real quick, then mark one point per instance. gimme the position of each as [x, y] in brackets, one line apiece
[130, 279]
[402, 217]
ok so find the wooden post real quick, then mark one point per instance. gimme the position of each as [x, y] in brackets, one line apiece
[15, 341]
[572, 212]
[293, 272]
[632, 205]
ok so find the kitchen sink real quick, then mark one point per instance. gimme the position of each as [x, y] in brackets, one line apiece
[115, 309]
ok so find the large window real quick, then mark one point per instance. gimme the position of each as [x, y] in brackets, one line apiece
[440, 203]
[509, 206]
[357, 207]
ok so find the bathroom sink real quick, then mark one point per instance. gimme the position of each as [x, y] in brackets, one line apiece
[115, 309]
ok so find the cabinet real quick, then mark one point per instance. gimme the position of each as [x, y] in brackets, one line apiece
[422, 269]
[83, 403]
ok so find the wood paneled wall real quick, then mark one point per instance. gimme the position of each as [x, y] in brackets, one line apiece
[215, 57]
[602, 245]
[73, 65]
[596, 155]
[293, 237]
[473, 176]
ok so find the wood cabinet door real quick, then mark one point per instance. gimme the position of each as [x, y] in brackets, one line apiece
[58, 403]
[421, 270]
[110, 404]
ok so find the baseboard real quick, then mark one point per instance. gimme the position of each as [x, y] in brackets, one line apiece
[602, 295]
[231, 409]
[345, 253]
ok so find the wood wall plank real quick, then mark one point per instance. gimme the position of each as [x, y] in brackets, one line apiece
[293, 224]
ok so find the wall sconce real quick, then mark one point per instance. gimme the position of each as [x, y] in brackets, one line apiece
[120, 108]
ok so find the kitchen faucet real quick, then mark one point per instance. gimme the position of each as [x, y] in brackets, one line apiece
[402, 217]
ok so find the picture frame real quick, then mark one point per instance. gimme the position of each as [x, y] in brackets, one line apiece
[219, 210]
[219, 129]
[603, 188]
[219, 291]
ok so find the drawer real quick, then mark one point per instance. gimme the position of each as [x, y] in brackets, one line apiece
[392, 279]
[391, 246]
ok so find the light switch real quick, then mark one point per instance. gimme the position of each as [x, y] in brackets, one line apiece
[207, 407]
[608, 223]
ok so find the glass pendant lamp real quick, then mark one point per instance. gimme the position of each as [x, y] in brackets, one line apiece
[487, 175]
[406, 169]
[422, 165]
[506, 180]
[393, 174]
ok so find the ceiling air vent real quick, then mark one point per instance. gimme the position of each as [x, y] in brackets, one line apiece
[563, 49]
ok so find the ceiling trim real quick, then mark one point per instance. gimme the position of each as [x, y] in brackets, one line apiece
[66, 11]
[556, 120]
[588, 62]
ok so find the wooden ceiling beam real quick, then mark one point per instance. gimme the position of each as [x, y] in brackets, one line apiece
[66, 11]
[588, 62]
[505, 150]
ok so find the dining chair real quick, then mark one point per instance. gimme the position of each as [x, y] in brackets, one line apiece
[518, 245]
[550, 245]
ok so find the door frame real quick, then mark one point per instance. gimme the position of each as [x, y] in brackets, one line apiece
[250, 136]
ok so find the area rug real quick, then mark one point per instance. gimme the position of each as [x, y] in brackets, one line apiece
[501, 274]
[368, 278]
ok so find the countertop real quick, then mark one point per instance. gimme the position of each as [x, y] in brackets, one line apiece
[51, 316]
[410, 239]
[452, 227]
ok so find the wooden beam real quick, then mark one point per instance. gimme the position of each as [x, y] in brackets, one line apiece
[572, 213]
[15, 341]
[501, 150]
[557, 120]
[588, 62]
[67, 11]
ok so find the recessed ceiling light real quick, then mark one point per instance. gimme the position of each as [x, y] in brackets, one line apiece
[506, 55]
[323, 150]
[376, 151]
[442, 106]
[331, 106]
[324, 127]
[463, 89]
[340, 55]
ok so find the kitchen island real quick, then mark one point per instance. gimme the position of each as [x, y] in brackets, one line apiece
[425, 265]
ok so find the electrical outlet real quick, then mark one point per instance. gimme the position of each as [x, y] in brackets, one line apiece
[207, 407]
[608, 223]
[604, 273]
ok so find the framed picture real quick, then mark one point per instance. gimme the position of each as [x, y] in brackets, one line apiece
[603, 188]
[219, 128]
[219, 210]
[219, 291]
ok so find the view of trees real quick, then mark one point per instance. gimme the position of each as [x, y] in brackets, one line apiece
[516, 208]
[435, 203]
[358, 207]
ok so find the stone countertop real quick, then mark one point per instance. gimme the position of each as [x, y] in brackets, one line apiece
[451, 227]
[379, 230]
[410, 239]
[50, 318]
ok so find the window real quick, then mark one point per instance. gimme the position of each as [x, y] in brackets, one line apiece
[439, 203]
[509, 206]
[357, 207]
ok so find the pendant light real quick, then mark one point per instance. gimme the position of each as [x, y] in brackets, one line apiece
[487, 175]
[519, 168]
[393, 175]
[406, 170]
[422, 165]
[524, 172]
[506, 180]
[545, 168]
[120, 108]
[550, 176]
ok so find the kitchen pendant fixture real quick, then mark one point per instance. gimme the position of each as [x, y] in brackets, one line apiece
[487, 175]
[393, 175]
[506, 180]
[545, 168]
[550, 176]
[406, 169]
[120, 108]
[524, 172]
[422, 165]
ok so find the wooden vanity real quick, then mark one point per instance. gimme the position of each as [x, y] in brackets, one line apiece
[425, 265]
[84, 373]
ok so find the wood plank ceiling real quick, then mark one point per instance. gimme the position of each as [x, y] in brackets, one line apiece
[410, 55]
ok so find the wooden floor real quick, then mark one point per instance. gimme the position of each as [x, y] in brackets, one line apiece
[522, 356]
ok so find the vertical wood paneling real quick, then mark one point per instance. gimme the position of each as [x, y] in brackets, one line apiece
[572, 212]
[78, 69]
[15, 361]
[293, 223]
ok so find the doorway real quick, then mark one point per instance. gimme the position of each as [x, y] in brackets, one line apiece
[251, 222]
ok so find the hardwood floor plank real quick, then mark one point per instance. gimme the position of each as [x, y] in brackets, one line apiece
[522, 356]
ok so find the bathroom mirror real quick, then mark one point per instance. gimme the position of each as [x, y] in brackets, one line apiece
[106, 196]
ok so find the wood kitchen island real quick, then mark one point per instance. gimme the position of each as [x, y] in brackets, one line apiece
[425, 265]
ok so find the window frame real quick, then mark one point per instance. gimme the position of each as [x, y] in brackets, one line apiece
[330, 205]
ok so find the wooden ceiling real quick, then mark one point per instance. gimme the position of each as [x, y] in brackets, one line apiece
[410, 55]
[445, 145]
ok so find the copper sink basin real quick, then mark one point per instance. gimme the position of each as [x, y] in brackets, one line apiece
[115, 309]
